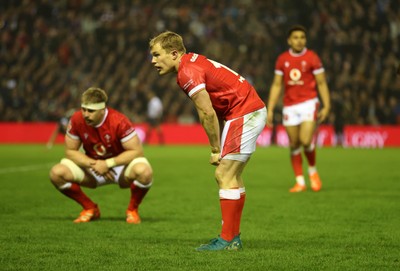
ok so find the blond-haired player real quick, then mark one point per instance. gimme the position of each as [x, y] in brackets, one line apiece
[223, 99]
[112, 154]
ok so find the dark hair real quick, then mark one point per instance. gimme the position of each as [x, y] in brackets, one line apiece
[296, 27]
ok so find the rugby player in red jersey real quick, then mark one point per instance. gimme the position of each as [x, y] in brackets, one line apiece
[232, 115]
[300, 72]
[112, 154]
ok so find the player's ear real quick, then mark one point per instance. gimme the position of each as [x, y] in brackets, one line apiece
[174, 54]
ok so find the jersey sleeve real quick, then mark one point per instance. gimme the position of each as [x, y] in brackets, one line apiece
[279, 65]
[316, 64]
[73, 127]
[126, 130]
[191, 79]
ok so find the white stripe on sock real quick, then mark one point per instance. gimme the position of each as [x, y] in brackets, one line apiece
[233, 194]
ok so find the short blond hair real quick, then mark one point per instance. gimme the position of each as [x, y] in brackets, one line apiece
[169, 41]
[94, 95]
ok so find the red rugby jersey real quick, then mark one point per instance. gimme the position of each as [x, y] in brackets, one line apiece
[231, 95]
[298, 71]
[105, 140]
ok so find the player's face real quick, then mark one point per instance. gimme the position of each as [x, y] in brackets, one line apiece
[161, 60]
[92, 117]
[297, 41]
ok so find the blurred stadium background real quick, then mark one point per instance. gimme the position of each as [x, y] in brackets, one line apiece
[50, 51]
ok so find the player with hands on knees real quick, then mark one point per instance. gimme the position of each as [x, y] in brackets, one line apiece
[113, 154]
[224, 99]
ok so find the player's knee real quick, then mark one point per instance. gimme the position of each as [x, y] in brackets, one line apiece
[139, 169]
[294, 146]
[58, 171]
[59, 175]
[306, 146]
[143, 173]
[294, 143]
[146, 175]
[142, 169]
[306, 142]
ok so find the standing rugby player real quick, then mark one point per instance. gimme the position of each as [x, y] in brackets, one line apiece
[300, 72]
[231, 113]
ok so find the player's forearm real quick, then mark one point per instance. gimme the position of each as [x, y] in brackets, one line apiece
[274, 92]
[323, 90]
[211, 126]
[127, 156]
[79, 158]
[324, 94]
[273, 97]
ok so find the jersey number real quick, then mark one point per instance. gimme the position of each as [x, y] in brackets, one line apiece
[219, 65]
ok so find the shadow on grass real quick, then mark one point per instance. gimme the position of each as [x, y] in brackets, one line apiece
[106, 218]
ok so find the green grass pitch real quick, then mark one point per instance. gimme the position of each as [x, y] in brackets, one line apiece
[353, 223]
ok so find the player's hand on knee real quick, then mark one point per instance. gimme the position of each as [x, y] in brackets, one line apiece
[100, 167]
[110, 175]
[215, 159]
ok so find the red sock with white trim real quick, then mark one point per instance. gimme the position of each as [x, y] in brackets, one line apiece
[311, 155]
[75, 192]
[297, 165]
[239, 211]
[138, 191]
[230, 204]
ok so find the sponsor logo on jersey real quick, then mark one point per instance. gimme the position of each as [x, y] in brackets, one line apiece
[100, 149]
[194, 57]
[295, 76]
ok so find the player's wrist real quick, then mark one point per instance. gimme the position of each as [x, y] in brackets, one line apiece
[215, 150]
[215, 157]
[110, 162]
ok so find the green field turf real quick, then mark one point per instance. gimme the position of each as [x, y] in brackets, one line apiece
[352, 224]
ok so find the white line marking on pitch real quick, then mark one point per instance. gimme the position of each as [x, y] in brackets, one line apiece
[24, 168]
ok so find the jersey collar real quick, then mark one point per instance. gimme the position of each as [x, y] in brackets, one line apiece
[298, 54]
[104, 118]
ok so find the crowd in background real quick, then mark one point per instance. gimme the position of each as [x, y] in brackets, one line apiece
[51, 51]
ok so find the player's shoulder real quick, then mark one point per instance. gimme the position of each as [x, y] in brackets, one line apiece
[113, 113]
[313, 57]
[283, 56]
[311, 53]
[77, 116]
[192, 64]
[192, 59]
[285, 53]
[116, 117]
